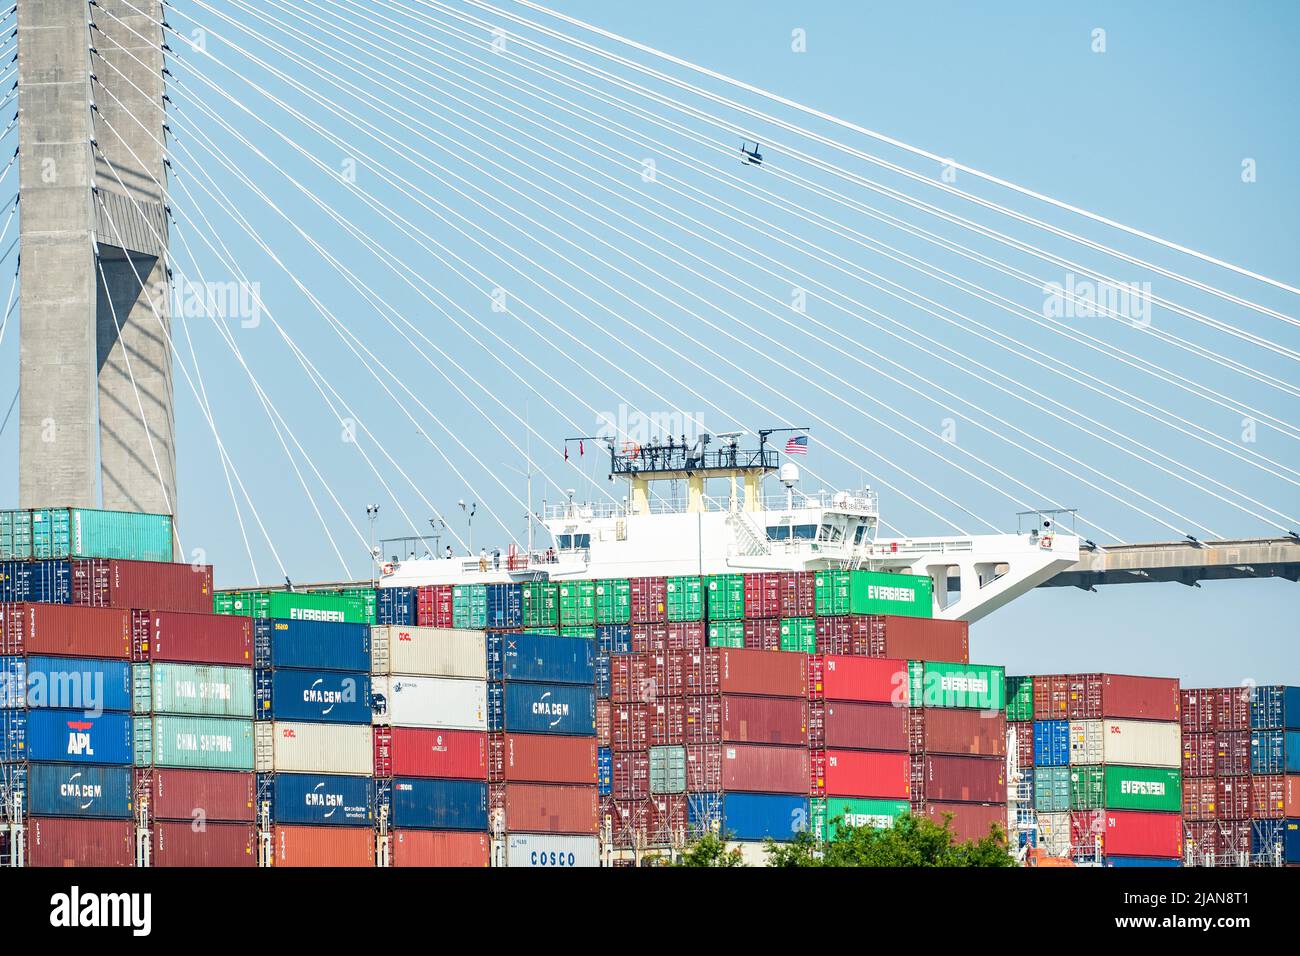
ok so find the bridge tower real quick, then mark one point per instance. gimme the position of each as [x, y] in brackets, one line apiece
[95, 366]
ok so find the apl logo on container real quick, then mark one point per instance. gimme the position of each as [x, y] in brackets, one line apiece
[79, 739]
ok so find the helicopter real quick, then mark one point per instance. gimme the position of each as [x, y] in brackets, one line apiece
[751, 157]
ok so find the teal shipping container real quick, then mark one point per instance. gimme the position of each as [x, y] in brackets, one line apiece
[197, 743]
[201, 690]
[45, 533]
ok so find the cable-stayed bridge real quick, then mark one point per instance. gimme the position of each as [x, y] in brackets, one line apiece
[399, 252]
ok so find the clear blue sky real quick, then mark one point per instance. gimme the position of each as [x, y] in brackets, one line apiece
[1152, 132]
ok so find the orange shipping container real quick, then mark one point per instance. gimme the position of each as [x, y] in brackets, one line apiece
[324, 846]
[440, 848]
[1292, 797]
[541, 808]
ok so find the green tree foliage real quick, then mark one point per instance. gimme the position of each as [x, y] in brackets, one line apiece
[710, 850]
[912, 841]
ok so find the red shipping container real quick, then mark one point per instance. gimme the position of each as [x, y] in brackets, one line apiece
[1232, 753]
[1267, 797]
[844, 636]
[629, 678]
[218, 795]
[433, 606]
[324, 846]
[763, 595]
[1087, 830]
[1231, 708]
[64, 631]
[666, 820]
[604, 723]
[1232, 842]
[629, 822]
[55, 841]
[763, 635]
[630, 776]
[542, 758]
[765, 720]
[1138, 698]
[798, 593]
[702, 720]
[862, 773]
[1291, 796]
[1200, 755]
[441, 848]
[687, 636]
[630, 727]
[164, 586]
[948, 730]
[1197, 711]
[425, 752]
[668, 721]
[666, 673]
[550, 808]
[192, 638]
[1051, 697]
[725, 670]
[880, 680]
[854, 726]
[1232, 798]
[1200, 798]
[1141, 833]
[962, 779]
[1202, 839]
[176, 843]
[756, 768]
[647, 638]
[970, 821]
[916, 638]
[1024, 742]
[649, 600]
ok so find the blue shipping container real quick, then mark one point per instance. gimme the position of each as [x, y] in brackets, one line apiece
[614, 638]
[603, 678]
[541, 657]
[604, 771]
[1051, 743]
[45, 582]
[311, 645]
[13, 735]
[1291, 842]
[505, 605]
[328, 697]
[757, 816]
[527, 708]
[395, 606]
[70, 790]
[1292, 746]
[1268, 838]
[71, 736]
[1267, 751]
[1275, 708]
[87, 684]
[1140, 861]
[313, 799]
[419, 804]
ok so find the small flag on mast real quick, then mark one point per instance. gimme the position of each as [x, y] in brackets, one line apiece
[797, 445]
[566, 451]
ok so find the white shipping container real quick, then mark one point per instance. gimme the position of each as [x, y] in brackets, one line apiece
[1054, 833]
[1086, 742]
[1139, 743]
[555, 852]
[453, 703]
[428, 652]
[289, 747]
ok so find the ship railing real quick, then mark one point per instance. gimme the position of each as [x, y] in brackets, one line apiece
[864, 500]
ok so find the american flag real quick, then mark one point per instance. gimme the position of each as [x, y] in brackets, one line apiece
[797, 445]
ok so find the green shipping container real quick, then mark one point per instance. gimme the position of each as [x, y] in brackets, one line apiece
[45, 533]
[577, 604]
[685, 599]
[726, 596]
[366, 594]
[668, 769]
[1087, 788]
[941, 684]
[197, 743]
[469, 606]
[1051, 789]
[541, 604]
[294, 606]
[799, 634]
[1144, 788]
[727, 634]
[614, 601]
[877, 592]
[831, 593]
[587, 631]
[1020, 698]
[206, 690]
[852, 812]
